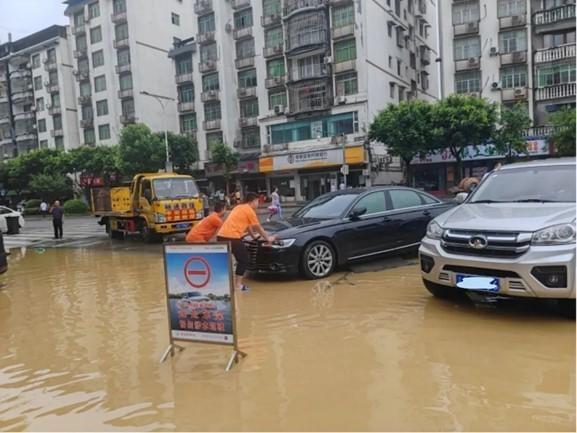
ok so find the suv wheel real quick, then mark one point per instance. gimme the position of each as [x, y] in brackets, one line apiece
[318, 260]
[441, 291]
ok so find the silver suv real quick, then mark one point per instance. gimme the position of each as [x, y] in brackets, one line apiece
[513, 236]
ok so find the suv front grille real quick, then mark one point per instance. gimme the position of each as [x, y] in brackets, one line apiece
[488, 243]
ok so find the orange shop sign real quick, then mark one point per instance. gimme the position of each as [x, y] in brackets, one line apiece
[312, 159]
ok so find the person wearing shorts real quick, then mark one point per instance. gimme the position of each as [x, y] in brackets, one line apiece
[241, 221]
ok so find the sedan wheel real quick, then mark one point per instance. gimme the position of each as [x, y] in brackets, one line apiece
[318, 260]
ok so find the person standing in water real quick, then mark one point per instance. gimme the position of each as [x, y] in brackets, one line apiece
[57, 213]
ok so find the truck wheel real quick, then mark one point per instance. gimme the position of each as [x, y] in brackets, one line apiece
[148, 235]
[567, 308]
[116, 234]
[440, 291]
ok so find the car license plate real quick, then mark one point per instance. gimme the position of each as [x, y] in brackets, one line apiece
[183, 226]
[475, 282]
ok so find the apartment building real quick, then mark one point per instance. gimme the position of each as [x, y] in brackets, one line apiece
[37, 98]
[293, 85]
[120, 50]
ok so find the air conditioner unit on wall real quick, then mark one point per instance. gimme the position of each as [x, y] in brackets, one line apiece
[473, 61]
[279, 109]
[228, 28]
[494, 51]
[496, 85]
[339, 100]
[328, 60]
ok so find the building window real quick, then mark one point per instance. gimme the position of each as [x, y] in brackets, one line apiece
[79, 19]
[51, 55]
[126, 82]
[250, 138]
[87, 113]
[468, 82]
[247, 78]
[95, 35]
[104, 132]
[347, 84]
[464, 13]
[57, 122]
[123, 57]
[85, 89]
[208, 53]
[275, 68]
[35, 61]
[42, 125]
[343, 16]
[55, 100]
[37, 83]
[119, 6]
[467, 48]
[83, 65]
[273, 37]
[212, 111]
[515, 40]
[311, 128]
[271, 7]
[59, 143]
[94, 10]
[43, 144]
[121, 32]
[98, 58]
[345, 50]
[243, 19]
[212, 140]
[552, 40]
[53, 78]
[128, 107]
[210, 82]
[277, 98]
[89, 137]
[175, 18]
[81, 44]
[102, 108]
[186, 94]
[188, 124]
[555, 74]
[245, 48]
[99, 83]
[508, 8]
[309, 67]
[40, 104]
[249, 108]
[184, 65]
[307, 29]
[515, 76]
[206, 24]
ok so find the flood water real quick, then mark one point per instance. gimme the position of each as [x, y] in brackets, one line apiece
[82, 331]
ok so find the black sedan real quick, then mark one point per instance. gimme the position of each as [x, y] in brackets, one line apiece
[345, 226]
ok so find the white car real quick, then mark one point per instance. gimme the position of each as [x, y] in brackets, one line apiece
[6, 212]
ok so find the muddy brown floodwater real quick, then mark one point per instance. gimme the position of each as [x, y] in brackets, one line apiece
[81, 333]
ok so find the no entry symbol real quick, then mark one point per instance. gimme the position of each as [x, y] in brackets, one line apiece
[197, 272]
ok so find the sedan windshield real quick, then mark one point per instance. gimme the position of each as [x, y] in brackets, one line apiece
[327, 206]
[171, 188]
[527, 185]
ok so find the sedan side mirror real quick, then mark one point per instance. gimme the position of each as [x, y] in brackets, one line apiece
[357, 212]
[461, 197]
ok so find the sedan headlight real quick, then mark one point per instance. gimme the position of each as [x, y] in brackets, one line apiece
[555, 235]
[283, 243]
[434, 230]
[159, 218]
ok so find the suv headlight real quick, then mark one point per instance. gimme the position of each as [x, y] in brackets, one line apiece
[159, 218]
[555, 235]
[283, 243]
[434, 230]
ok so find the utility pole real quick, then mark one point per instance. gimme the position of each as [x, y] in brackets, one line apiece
[163, 101]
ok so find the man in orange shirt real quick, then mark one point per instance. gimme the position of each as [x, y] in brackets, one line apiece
[242, 221]
[205, 230]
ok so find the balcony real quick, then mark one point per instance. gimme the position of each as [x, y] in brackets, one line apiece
[425, 55]
[310, 97]
[512, 21]
[239, 4]
[269, 83]
[513, 58]
[207, 66]
[121, 69]
[349, 65]
[553, 54]
[247, 121]
[87, 123]
[80, 29]
[246, 92]
[26, 115]
[57, 133]
[85, 100]
[553, 16]
[202, 7]
[274, 51]
[51, 87]
[343, 32]
[81, 53]
[50, 65]
[209, 125]
[295, 5]
[183, 78]
[121, 43]
[206, 37]
[559, 91]
[515, 94]
[20, 74]
[81, 75]
[270, 20]
[316, 70]
[23, 97]
[242, 33]
[210, 95]
[185, 107]
[119, 17]
[245, 62]
[54, 111]
[125, 94]
[304, 42]
[467, 64]
[466, 28]
[128, 118]
[29, 135]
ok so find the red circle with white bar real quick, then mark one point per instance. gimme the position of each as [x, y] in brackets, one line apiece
[197, 272]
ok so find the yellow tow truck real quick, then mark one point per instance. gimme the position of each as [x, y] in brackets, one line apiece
[154, 205]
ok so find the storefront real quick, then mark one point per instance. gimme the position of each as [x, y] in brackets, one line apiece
[246, 177]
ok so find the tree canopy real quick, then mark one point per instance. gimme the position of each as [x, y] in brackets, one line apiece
[508, 138]
[224, 156]
[564, 132]
[140, 151]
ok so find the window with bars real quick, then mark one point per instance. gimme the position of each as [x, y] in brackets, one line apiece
[277, 98]
[96, 35]
[212, 111]
[346, 84]
[271, 7]
[345, 51]
[243, 19]
[188, 123]
[464, 13]
[247, 79]
[515, 76]
[186, 94]
[310, 97]
[245, 48]
[206, 24]
[555, 74]
[551, 40]
[307, 29]
[343, 16]
[467, 48]
[249, 108]
[251, 138]
[210, 82]
[273, 37]
[515, 40]
[276, 68]
[208, 53]
[309, 67]
[468, 82]
[508, 8]
[126, 82]
[184, 65]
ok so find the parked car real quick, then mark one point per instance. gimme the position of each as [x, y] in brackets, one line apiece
[344, 226]
[5, 214]
[513, 236]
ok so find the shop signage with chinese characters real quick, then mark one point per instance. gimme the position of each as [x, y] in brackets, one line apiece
[313, 159]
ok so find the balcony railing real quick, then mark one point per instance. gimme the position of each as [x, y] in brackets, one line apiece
[246, 121]
[294, 5]
[238, 4]
[315, 37]
[552, 16]
[202, 6]
[87, 123]
[343, 32]
[207, 66]
[206, 37]
[27, 136]
[78, 30]
[270, 19]
[50, 66]
[553, 54]
[558, 91]
[85, 100]
[310, 97]
[54, 111]
[467, 64]
[514, 57]
[316, 70]
[26, 115]
[184, 107]
[211, 124]
[274, 82]
[128, 118]
[121, 43]
[80, 53]
[515, 94]
[512, 21]
[121, 69]
[57, 133]
[119, 17]
[183, 78]
[81, 75]
[273, 51]
[244, 62]
[242, 33]
[210, 95]
[466, 28]
[349, 65]
[539, 131]
[124, 94]
[246, 92]
[52, 87]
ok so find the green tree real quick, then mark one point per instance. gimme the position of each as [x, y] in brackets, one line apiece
[94, 162]
[183, 150]
[461, 121]
[51, 186]
[407, 131]
[564, 133]
[508, 137]
[140, 151]
[227, 159]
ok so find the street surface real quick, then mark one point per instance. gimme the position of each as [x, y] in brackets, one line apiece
[83, 325]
